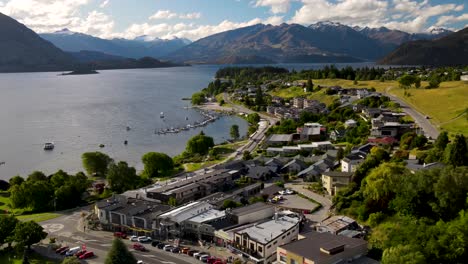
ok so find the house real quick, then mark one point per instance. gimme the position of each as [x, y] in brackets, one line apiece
[333, 181]
[337, 224]
[414, 165]
[279, 139]
[199, 227]
[260, 173]
[362, 93]
[389, 129]
[324, 248]
[310, 133]
[350, 123]
[294, 166]
[337, 134]
[271, 191]
[314, 172]
[351, 162]
[274, 164]
[298, 102]
[371, 112]
[358, 108]
[385, 141]
[260, 241]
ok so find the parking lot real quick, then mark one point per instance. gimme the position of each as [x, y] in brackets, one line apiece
[296, 202]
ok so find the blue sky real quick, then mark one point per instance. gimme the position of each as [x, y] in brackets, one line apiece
[195, 19]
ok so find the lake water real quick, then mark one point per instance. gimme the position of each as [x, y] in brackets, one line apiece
[80, 112]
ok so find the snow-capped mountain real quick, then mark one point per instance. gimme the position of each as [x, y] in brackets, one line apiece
[439, 31]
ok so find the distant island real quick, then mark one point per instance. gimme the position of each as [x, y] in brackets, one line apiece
[81, 72]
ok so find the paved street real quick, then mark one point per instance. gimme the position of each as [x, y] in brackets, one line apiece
[67, 229]
[429, 129]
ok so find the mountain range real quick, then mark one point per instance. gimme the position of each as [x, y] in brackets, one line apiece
[449, 50]
[142, 46]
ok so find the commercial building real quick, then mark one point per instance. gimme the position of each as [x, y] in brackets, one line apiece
[259, 241]
[323, 248]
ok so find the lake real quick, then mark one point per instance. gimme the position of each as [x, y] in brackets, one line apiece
[80, 112]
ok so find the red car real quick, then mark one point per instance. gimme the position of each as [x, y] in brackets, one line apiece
[211, 260]
[80, 253]
[86, 255]
[139, 247]
[120, 235]
[60, 249]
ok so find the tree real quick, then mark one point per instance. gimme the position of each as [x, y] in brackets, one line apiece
[442, 140]
[246, 155]
[198, 98]
[119, 254]
[230, 204]
[96, 162]
[253, 118]
[406, 81]
[434, 82]
[16, 180]
[29, 233]
[157, 164]
[340, 154]
[7, 227]
[59, 179]
[259, 97]
[457, 152]
[199, 144]
[4, 185]
[172, 201]
[37, 176]
[403, 254]
[235, 132]
[310, 85]
[121, 177]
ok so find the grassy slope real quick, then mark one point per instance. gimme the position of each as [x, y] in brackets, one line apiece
[23, 215]
[294, 91]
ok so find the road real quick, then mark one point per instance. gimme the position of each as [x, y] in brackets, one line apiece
[325, 201]
[67, 230]
[429, 129]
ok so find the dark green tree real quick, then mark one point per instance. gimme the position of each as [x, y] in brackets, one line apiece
[253, 118]
[96, 162]
[121, 177]
[235, 132]
[16, 180]
[259, 100]
[246, 155]
[7, 227]
[403, 254]
[457, 152]
[37, 176]
[434, 82]
[198, 98]
[310, 85]
[29, 233]
[119, 254]
[442, 140]
[59, 179]
[200, 144]
[157, 164]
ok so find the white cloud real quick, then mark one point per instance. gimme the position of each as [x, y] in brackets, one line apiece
[407, 15]
[276, 6]
[445, 20]
[274, 20]
[166, 14]
[163, 14]
[104, 4]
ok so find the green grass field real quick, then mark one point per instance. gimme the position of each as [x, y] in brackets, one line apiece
[294, 91]
[22, 214]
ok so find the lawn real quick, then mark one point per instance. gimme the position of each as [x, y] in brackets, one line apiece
[34, 258]
[295, 91]
[23, 215]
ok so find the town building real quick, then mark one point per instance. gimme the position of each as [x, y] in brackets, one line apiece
[279, 139]
[337, 224]
[259, 241]
[298, 102]
[333, 181]
[324, 248]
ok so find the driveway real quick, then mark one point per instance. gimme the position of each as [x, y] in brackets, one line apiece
[326, 202]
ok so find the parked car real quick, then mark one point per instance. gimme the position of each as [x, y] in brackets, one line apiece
[218, 262]
[144, 239]
[286, 192]
[120, 235]
[155, 243]
[60, 249]
[198, 254]
[175, 250]
[161, 245]
[134, 238]
[191, 252]
[87, 255]
[168, 248]
[79, 253]
[185, 250]
[72, 251]
[204, 258]
[139, 247]
[212, 260]
[140, 262]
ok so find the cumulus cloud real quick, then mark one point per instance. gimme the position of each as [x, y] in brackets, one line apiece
[407, 15]
[276, 6]
[166, 14]
[446, 20]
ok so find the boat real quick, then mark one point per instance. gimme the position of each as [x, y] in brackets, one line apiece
[161, 115]
[128, 128]
[49, 146]
[186, 118]
[125, 142]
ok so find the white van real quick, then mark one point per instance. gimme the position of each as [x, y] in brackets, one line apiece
[72, 251]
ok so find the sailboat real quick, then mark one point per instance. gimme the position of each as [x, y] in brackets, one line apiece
[161, 115]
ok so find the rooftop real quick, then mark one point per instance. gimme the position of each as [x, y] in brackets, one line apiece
[336, 223]
[315, 246]
[207, 216]
[337, 174]
[187, 211]
[269, 230]
[250, 208]
[280, 137]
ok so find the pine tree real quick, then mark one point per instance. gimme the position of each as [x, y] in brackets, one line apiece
[119, 254]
